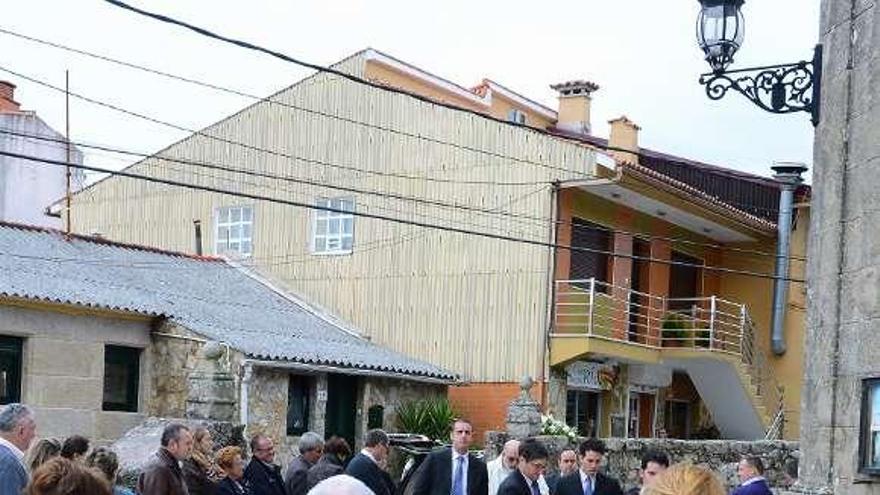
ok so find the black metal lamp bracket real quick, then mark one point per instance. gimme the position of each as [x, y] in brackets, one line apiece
[786, 88]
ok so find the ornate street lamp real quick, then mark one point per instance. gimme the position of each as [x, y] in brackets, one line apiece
[784, 88]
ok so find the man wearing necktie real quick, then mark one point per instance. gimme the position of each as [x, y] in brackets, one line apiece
[453, 471]
[532, 463]
[587, 480]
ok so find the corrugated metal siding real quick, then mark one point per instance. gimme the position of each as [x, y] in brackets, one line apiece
[473, 305]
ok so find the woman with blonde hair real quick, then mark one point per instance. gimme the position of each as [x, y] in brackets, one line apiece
[43, 450]
[686, 479]
[199, 472]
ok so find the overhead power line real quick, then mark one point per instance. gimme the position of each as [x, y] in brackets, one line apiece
[386, 218]
[251, 147]
[532, 219]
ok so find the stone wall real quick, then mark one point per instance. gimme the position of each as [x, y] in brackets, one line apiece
[721, 456]
[391, 393]
[172, 361]
[63, 367]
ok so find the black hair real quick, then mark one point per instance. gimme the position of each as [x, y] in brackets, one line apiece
[531, 449]
[655, 456]
[591, 445]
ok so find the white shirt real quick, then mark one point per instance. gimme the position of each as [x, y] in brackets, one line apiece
[498, 473]
[369, 455]
[464, 469]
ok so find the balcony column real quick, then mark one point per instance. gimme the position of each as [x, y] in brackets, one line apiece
[712, 287]
[658, 286]
[621, 279]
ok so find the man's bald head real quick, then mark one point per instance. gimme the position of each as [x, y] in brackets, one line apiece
[510, 454]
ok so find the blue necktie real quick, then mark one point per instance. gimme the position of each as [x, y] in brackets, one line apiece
[458, 479]
[588, 486]
[535, 489]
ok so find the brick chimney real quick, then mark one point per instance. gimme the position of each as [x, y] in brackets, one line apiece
[624, 135]
[7, 102]
[574, 105]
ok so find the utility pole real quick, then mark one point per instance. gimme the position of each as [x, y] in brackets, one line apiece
[67, 227]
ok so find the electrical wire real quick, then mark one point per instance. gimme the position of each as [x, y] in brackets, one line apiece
[386, 218]
[542, 219]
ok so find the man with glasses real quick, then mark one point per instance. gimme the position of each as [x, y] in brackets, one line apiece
[507, 463]
[263, 476]
[531, 464]
[453, 471]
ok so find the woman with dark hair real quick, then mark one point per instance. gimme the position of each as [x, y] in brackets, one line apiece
[229, 460]
[75, 447]
[106, 461]
[43, 450]
[198, 471]
[62, 476]
[336, 451]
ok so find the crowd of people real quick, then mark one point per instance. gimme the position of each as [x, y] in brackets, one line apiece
[186, 463]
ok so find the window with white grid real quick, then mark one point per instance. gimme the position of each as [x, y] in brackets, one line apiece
[333, 231]
[516, 116]
[235, 230]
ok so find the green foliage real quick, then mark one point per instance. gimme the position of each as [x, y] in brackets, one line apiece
[429, 417]
[676, 327]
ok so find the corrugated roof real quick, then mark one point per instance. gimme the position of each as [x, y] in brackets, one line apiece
[209, 296]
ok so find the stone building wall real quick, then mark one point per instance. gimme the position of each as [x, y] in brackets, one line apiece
[623, 459]
[391, 393]
[63, 367]
[843, 268]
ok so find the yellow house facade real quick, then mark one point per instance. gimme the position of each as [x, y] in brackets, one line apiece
[485, 160]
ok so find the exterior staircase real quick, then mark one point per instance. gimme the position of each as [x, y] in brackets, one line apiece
[710, 338]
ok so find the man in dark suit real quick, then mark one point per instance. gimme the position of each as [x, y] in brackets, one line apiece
[654, 463]
[263, 477]
[587, 480]
[367, 465]
[453, 471]
[751, 473]
[532, 464]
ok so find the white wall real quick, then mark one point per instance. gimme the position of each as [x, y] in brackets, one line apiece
[27, 187]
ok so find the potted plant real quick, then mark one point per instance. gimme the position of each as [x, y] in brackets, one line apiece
[675, 331]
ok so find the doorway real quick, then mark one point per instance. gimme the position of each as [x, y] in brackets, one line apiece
[641, 415]
[342, 395]
[582, 412]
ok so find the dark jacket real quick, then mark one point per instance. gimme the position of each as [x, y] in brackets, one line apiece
[515, 484]
[196, 479]
[757, 488]
[228, 487]
[295, 477]
[634, 491]
[162, 476]
[552, 480]
[328, 465]
[435, 475]
[571, 485]
[364, 469]
[263, 479]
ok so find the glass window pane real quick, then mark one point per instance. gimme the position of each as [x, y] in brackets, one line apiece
[236, 215]
[321, 227]
[346, 243]
[222, 234]
[247, 214]
[223, 215]
[320, 245]
[246, 247]
[348, 225]
[333, 244]
[235, 232]
[233, 246]
[246, 231]
[333, 226]
[874, 425]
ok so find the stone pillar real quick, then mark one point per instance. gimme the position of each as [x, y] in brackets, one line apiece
[211, 391]
[524, 413]
[558, 393]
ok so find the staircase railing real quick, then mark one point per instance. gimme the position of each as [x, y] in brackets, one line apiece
[605, 311]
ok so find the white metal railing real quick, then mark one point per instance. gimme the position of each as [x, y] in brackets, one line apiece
[595, 308]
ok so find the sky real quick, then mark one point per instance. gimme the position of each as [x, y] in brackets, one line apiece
[642, 53]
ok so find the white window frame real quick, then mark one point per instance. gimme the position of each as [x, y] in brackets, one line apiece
[220, 223]
[333, 241]
[516, 116]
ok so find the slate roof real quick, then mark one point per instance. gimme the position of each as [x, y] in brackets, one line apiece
[209, 296]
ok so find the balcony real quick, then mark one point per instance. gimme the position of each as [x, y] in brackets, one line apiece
[711, 338]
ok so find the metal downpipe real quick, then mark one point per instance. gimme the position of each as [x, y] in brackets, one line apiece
[789, 175]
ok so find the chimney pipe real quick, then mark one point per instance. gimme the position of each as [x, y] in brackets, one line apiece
[624, 135]
[197, 225]
[7, 97]
[789, 177]
[574, 106]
